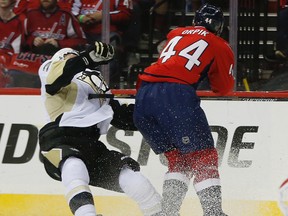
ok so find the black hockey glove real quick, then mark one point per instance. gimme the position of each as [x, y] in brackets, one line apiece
[123, 116]
[130, 162]
[97, 54]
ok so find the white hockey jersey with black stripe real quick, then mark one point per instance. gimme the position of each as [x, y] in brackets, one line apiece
[73, 100]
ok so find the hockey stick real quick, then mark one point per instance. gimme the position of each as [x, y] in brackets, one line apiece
[206, 95]
[93, 96]
[116, 93]
[110, 96]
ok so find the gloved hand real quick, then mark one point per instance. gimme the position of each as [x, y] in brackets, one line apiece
[123, 115]
[97, 54]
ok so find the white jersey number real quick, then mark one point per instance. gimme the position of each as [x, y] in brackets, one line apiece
[193, 59]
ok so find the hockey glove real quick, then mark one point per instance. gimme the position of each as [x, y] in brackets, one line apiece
[123, 116]
[130, 162]
[97, 54]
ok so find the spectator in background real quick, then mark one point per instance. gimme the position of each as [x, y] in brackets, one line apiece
[160, 9]
[282, 32]
[49, 28]
[281, 52]
[11, 37]
[22, 6]
[12, 29]
[68, 4]
[131, 37]
[90, 18]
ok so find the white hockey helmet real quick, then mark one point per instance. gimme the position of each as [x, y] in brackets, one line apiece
[59, 55]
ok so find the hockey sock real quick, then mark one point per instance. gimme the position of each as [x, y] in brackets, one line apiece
[175, 187]
[207, 182]
[139, 188]
[211, 201]
[75, 179]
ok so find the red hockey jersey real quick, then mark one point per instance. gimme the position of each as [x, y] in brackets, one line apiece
[22, 6]
[12, 34]
[120, 13]
[188, 54]
[283, 3]
[60, 25]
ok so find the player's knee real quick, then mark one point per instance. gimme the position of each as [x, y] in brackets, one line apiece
[134, 184]
[139, 188]
[129, 180]
[74, 172]
[206, 167]
[75, 179]
[177, 176]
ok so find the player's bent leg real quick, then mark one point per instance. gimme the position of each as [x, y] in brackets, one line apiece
[175, 187]
[75, 179]
[139, 188]
[207, 181]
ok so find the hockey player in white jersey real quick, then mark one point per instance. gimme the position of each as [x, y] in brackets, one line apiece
[69, 143]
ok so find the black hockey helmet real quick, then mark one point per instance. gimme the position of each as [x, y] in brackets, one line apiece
[210, 17]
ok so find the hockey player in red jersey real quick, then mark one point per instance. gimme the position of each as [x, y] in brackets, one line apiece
[168, 113]
[50, 28]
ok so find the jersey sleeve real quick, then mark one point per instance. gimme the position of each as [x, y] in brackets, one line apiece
[221, 72]
[22, 6]
[62, 72]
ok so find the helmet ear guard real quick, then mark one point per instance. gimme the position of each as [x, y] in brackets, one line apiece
[210, 17]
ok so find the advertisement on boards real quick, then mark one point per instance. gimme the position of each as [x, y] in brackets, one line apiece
[250, 136]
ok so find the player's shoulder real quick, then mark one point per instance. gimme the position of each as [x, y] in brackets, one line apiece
[45, 67]
[220, 43]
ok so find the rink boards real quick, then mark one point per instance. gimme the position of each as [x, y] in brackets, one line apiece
[251, 136]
